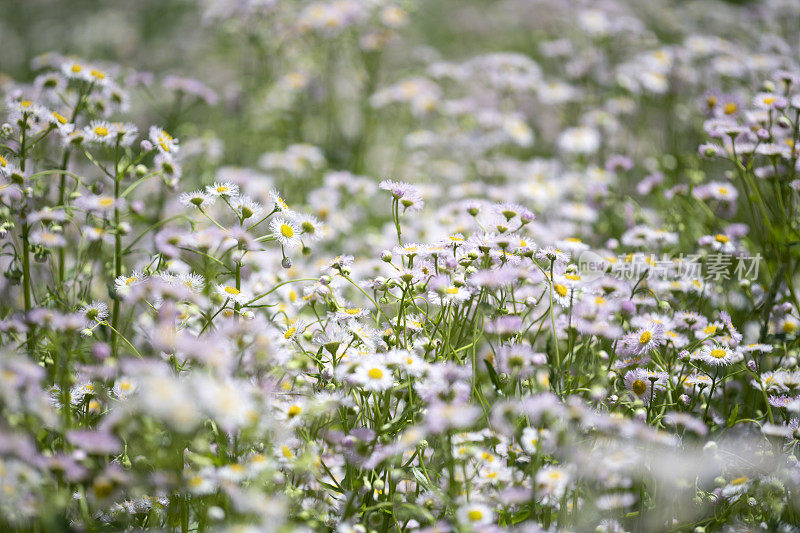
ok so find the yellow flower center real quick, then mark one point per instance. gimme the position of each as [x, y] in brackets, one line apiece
[286, 452]
[164, 139]
[59, 117]
[131, 279]
[573, 277]
[721, 238]
[232, 290]
[451, 290]
[25, 103]
[375, 373]
[102, 131]
[289, 333]
[295, 410]
[710, 330]
[3, 161]
[639, 387]
[560, 289]
[475, 515]
[769, 100]
[105, 201]
[723, 190]
[730, 108]
[353, 311]
[739, 480]
[645, 337]
[97, 74]
[718, 353]
[287, 231]
[76, 68]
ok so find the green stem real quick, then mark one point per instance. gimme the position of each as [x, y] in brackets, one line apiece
[117, 254]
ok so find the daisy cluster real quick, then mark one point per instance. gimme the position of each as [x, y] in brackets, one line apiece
[360, 279]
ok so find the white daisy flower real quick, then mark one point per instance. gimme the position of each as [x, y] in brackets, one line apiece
[285, 232]
[162, 140]
[449, 294]
[373, 376]
[197, 198]
[224, 189]
[717, 355]
[246, 207]
[48, 239]
[124, 283]
[313, 229]
[293, 329]
[190, 280]
[475, 514]
[96, 311]
[280, 203]
[229, 292]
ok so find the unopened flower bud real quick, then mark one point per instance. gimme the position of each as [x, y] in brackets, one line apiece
[286, 263]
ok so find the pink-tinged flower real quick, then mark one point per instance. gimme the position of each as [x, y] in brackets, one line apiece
[644, 340]
[94, 442]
